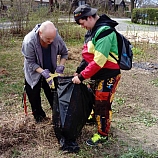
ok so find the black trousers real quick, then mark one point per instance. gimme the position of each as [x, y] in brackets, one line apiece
[34, 96]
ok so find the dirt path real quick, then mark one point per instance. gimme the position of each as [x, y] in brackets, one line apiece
[138, 115]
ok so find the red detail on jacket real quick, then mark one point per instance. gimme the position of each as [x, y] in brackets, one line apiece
[93, 67]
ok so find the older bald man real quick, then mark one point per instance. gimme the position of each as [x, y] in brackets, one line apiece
[40, 48]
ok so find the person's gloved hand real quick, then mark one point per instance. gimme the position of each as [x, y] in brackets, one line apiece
[60, 69]
[49, 77]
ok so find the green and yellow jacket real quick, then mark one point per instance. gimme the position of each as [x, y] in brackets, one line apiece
[97, 63]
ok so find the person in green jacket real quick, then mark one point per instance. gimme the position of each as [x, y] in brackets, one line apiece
[99, 66]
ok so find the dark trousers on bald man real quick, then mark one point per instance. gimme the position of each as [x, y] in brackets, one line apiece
[34, 96]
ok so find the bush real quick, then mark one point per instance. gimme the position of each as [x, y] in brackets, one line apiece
[145, 16]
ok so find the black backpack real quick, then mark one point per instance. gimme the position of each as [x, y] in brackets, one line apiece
[124, 49]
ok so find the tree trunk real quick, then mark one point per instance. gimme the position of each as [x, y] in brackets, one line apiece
[115, 6]
[132, 5]
[72, 4]
[11, 3]
[51, 5]
[2, 4]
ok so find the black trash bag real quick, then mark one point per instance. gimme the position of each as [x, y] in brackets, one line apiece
[72, 106]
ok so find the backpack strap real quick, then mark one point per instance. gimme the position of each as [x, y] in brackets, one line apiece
[105, 33]
[113, 57]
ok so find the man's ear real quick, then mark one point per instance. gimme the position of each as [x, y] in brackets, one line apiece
[89, 17]
[40, 33]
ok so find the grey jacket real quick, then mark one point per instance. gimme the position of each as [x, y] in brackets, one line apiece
[33, 58]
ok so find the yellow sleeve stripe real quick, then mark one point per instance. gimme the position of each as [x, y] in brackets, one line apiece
[90, 46]
[100, 59]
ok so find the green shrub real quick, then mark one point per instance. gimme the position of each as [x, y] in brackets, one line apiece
[145, 16]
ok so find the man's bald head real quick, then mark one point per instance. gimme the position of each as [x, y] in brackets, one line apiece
[47, 32]
[47, 27]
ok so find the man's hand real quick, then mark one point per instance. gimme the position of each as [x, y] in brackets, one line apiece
[60, 69]
[49, 77]
[75, 74]
[76, 80]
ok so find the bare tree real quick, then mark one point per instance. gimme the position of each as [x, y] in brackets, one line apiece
[73, 4]
[11, 1]
[2, 5]
[41, 1]
[141, 3]
[51, 5]
[132, 5]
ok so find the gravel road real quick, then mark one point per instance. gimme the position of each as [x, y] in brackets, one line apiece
[135, 32]
[125, 25]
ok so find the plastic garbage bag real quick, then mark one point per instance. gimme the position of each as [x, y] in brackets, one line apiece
[72, 107]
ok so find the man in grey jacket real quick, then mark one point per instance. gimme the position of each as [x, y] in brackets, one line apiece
[40, 48]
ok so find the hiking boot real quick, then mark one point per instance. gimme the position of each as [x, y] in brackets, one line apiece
[69, 146]
[96, 139]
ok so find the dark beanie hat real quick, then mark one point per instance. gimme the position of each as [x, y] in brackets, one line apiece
[84, 10]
